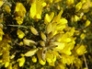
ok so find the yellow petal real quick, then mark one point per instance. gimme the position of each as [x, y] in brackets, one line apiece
[20, 34]
[20, 7]
[76, 18]
[69, 2]
[60, 46]
[33, 10]
[81, 50]
[1, 3]
[41, 61]
[33, 30]
[21, 61]
[49, 28]
[7, 8]
[82, 36]
[28, 42]
[51, 58]
[7, 64]
[47, 18]
[78, 6]
[63, 21]
[87, 23]
[58, 17]
[31, 52]
[43, 36]
[42, 43]
[34, 59]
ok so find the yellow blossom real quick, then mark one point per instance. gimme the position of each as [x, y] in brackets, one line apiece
[70, 2]
[80, 50]
[7, 8]
[63, 21]
[21, 61]
[51, 58]
[58, 17]
[60, 46]
[87, 23]
[78, 62]
[48, 17]
[33, 30]
[39, 55]
[78, 6]
[86, 6]
[37, 8]
[28, 42]
[6, 57]
[76, 18]
[31, 52]
[34, 59]
[20, 34]
[66, 59]
[10, 66]
[19, 13]
[49, 28]
[82, 36]
[67, 49]
[42, 43]
[1, 3]
[43, 36]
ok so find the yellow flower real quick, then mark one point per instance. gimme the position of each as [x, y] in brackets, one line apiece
[28, 42]
[60, 46]
[20, 34]
[86, 6]
[34, 59]
[21, 61]
[7, 8]
[66, 59]
[80, 50]
[39, 55]
[43, 36]
[56, 25]
[70, 2]
[67, 49]
[1, 3]
[78, 62]
[36, 8]
[10, 66]
[33, 30]
[48, 17]
[19, 13]
[78, 6]
[5, 57]
[31, 52]
[19, 20]
[82, 36]
[87, 23]
[51, 58]
[58, 17]
[63, 21]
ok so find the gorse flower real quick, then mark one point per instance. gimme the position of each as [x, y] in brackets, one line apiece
[37, 8]
[45, 34]
[19, 13]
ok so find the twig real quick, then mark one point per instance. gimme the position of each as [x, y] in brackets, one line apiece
[85, 61]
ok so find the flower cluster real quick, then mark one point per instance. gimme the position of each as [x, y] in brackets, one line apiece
[44, 34]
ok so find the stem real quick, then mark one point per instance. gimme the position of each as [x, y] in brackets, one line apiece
[85, 61]
[22, 26]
